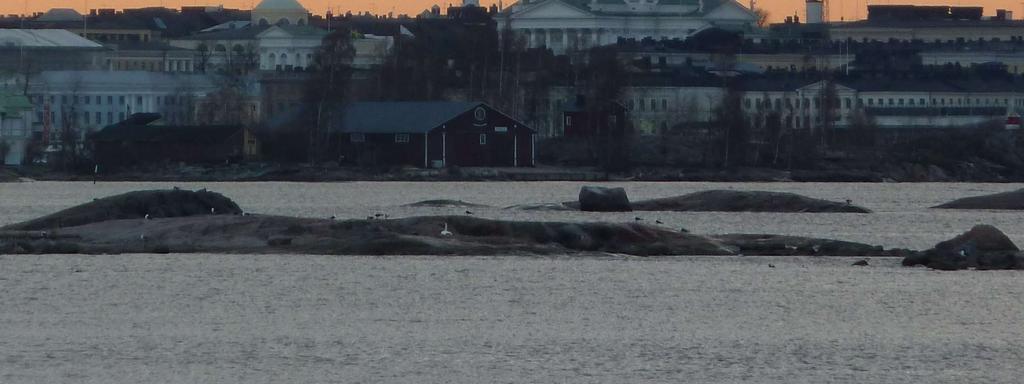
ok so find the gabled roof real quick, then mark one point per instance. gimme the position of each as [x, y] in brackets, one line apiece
[401, 117]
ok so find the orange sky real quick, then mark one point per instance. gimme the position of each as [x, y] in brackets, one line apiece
[778, 9]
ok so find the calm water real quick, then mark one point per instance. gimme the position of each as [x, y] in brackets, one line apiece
[316, 319]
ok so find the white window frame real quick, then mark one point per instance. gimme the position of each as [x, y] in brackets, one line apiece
[483, 139]
[401, 138]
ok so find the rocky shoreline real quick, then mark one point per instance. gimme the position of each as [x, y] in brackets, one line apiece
[179, 221]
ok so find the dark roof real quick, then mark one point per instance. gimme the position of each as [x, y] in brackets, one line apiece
[246, 33]
[137, 128]
[401, 117]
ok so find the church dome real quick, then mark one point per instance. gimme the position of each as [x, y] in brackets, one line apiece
[279, 5]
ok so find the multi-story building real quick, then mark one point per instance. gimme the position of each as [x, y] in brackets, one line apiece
[90, 100]
[563, 25]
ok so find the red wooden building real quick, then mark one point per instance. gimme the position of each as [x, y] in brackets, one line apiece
[433, 134]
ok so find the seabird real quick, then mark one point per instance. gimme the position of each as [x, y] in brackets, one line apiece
[445, 232]
[378, 214]
[176, 188]
[638, 218]
[658, 222]
[963, 252]
[369, 217]
[147, 216]
[468, 212]
[334, 217]
[245, 213]
[848, 201]
[771, 265]
[213, 211]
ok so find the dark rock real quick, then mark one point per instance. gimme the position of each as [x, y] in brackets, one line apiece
[1013, 200]
[601, 199]
[779, 245]
[543, 207]
[279, 241]
[745, 201]
[441, 203]
[860, 263]
[136, 205]
[983, 247]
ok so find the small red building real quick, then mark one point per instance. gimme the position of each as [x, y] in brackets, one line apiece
[433, 135]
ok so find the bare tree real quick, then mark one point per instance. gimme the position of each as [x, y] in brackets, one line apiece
[328, 88]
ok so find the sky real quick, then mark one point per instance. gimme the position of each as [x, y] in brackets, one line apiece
[777, 9]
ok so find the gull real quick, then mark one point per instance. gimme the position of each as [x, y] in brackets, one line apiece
[213, 211]
[445, 232]
[658, 222]
[771, 265]
[147, 216]
[334, 217]
[638, 218]
[468, 212]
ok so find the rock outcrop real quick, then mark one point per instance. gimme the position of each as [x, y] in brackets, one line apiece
[408, 236]
[1013, 200]
[983, 247]
[601, 199]
[442, 203]
[136, 205]
[779, 245]
[745, 201]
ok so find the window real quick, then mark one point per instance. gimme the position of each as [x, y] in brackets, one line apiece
[99, 117]
[401, 137]
[920, 101]
[85, 117]
[643, 105]
[568, 121]
[654, 105]
[483, 139]
[357, 138]
[110, 100]
[121, 100]
[63, 99]
[664, 104]
[99, 100]
[138, 100]
[86, 100]
[110, 117]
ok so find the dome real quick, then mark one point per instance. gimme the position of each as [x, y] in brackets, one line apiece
[61, 14]
[279, 5]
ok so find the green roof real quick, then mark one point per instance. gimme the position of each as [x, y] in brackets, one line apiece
[10, 104]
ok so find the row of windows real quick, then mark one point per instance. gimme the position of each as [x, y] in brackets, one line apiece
[758, 103]
[109, 100]
[402, 138]
[642, 104]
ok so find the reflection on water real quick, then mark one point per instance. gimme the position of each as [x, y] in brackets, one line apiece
[313, 319]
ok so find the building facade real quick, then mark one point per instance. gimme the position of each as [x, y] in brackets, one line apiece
[88, 101]
[565, 25]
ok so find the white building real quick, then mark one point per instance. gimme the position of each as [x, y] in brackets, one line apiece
[91, 100]
[563, 25]
[288, 47]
